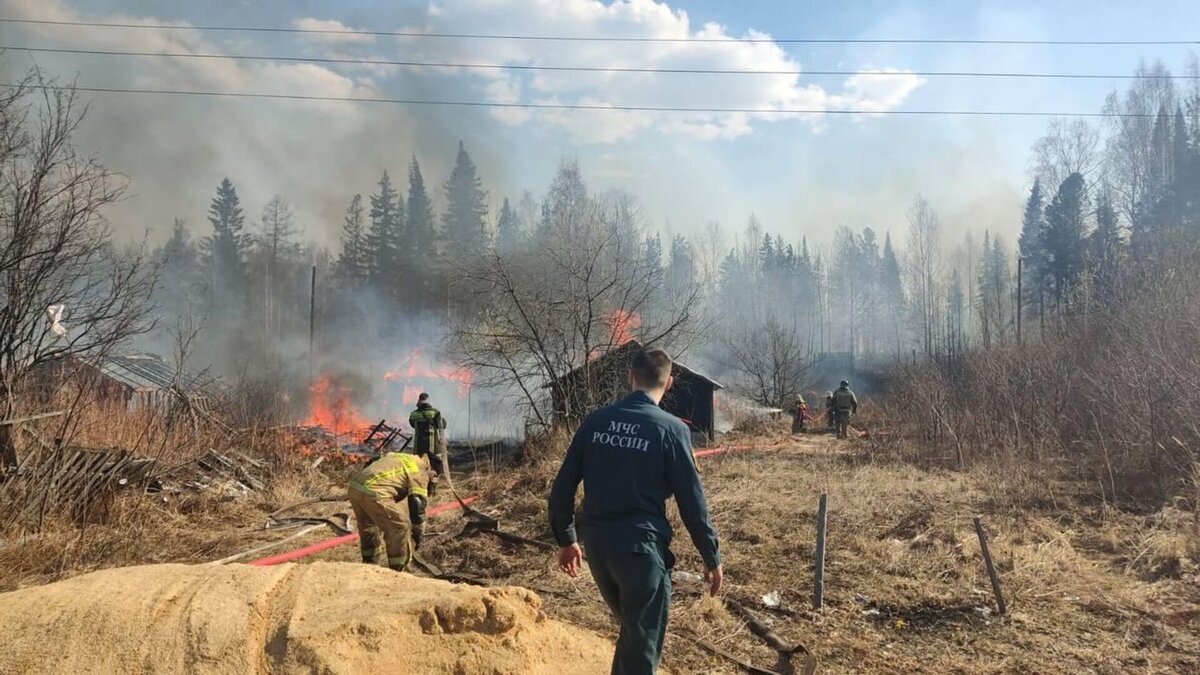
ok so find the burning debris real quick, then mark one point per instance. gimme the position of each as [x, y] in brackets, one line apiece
[331, 408]
[332, 396]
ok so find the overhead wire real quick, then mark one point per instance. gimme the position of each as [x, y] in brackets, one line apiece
[583, 69]
[592, 38]
[577, 106]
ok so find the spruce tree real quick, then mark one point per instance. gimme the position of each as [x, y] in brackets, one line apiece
[654, 256]
[420, 253]
[384, 240]
[224, 251]
[1031, 249]
[179, 252]
[1064, 236]
[179, 255]
[892, 290]
[421, 230]
[994, 283]
[681, 270]
[353, 265]
[508, 229]
[466, 209]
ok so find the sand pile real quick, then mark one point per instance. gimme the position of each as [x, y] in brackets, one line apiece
[321, 617]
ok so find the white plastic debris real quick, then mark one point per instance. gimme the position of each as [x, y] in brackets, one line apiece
[54, 313]
[689, 577]
[871, 612]
[772, 599]
[985, 612]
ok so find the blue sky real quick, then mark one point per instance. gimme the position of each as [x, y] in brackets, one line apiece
[801, 176]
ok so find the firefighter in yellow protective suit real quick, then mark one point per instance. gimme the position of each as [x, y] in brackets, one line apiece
[375, 494]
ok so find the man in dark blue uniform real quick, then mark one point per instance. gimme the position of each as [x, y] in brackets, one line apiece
[631, 456]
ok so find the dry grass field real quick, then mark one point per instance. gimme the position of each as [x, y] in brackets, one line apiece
[1089, 588]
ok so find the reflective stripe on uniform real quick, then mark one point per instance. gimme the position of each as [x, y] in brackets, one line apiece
[427, 416]
[408, 464]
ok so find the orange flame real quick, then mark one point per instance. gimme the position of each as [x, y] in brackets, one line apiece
[622, 325]
[416, 367]
[330, 407]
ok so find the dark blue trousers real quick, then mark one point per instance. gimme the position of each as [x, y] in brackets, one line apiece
[634, 578]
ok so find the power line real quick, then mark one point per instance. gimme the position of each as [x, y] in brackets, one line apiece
[583, 38]
[588, 69]
[581, 106]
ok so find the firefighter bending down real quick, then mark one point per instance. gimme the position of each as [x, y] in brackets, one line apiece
[845, 404]
[375, 494]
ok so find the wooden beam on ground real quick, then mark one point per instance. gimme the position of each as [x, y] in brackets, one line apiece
[784, 650]
[717, 651]
[32, 418]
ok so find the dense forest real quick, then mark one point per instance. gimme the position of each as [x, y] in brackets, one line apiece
[756, 305]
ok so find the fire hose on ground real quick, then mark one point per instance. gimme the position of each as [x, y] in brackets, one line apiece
[480, 521]
[483, 523]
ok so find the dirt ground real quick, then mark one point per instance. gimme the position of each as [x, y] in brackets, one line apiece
[1089, 588]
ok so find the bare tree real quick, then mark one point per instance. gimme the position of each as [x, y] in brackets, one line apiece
[711, 251]
[923, 267]
[580, 290]
[1069, 146]
[771, 361]
[56, 250]
[276, 244]
[1130, 153]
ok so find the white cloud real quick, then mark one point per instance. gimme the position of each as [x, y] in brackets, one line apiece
[642, 18]
[879, 90]
[311, 23]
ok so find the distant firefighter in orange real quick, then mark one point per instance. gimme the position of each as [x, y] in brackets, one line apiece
[800, 416]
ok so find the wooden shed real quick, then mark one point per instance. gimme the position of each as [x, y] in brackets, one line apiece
[604, 380]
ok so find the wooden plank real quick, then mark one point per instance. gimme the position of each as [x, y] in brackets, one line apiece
[717, 651]
[783, 650]
[32, 418]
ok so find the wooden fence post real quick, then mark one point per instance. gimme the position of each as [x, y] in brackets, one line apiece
[991, 568]
[819, 566]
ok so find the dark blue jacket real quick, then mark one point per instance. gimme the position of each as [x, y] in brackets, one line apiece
[631, 456]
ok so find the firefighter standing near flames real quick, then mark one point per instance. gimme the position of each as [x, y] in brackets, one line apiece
[375, 494]
[428, 437]
[845, 404]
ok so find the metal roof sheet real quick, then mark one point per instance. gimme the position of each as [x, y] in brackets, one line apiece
[144, 372]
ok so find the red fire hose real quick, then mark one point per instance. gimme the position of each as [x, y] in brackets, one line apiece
[296, 554]
[289, 556]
